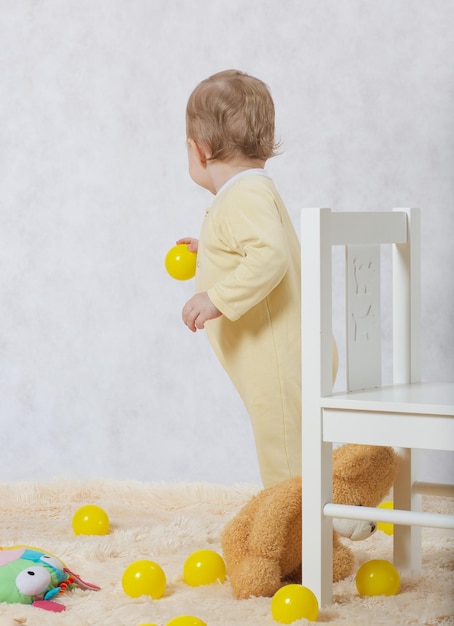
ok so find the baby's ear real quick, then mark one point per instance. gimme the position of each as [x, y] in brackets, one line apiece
[200, 150]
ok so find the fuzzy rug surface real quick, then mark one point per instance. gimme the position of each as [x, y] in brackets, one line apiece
[166, 523]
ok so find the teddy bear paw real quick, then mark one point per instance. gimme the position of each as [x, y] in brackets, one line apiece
[343, 562]
[246, 583]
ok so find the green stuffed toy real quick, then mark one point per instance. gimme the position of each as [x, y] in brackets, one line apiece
[31, 576]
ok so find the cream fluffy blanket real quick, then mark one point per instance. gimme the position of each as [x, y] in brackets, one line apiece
[165, 523]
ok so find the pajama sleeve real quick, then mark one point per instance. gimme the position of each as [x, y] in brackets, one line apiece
[251, 230]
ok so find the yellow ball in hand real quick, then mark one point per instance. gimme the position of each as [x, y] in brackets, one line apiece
[90, 520]
[377, 578]
[144, 578]
[180, 262]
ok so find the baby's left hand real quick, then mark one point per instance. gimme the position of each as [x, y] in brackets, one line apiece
[192, 243]
[198, 310]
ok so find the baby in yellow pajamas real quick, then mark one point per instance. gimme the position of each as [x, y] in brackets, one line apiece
[248, 263]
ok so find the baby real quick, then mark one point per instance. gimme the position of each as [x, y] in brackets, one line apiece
[248, 263]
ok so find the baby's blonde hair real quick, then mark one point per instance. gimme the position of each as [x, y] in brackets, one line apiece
[232, 112]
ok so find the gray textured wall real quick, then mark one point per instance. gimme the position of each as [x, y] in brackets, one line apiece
[98, 377]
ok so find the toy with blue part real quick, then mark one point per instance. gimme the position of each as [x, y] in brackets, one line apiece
[31, 576]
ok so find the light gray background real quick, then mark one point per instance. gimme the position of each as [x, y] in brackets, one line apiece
[98, 376]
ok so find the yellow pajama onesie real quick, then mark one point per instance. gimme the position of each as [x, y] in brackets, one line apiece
[249, 263]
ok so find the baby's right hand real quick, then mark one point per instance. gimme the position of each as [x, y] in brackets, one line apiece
[193, 244]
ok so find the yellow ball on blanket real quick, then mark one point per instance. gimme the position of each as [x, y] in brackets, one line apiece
[144, 578]
[204, 567]
[293, 602]
[386, 527]
[90, 520]
[377, 578]
[186, 620]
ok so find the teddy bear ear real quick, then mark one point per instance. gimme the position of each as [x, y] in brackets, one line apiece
[352, 461]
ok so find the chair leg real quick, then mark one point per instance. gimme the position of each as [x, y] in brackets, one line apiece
[407, 539]
[317, 557]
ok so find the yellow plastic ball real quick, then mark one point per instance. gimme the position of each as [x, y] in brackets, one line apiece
[377, 578]
[386, 527]
[144, 578]
[204, 567]
[293, 602]
[180, 262]
[186, 620]
[90, 520]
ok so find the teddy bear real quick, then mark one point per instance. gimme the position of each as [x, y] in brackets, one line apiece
[262, 544]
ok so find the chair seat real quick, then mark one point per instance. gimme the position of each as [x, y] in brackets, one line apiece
[416, 398]
[417, 416]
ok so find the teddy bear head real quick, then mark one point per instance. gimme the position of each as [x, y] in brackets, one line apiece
[361, 479]
[362, 475]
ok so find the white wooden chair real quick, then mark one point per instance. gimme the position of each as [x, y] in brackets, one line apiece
[406, 414]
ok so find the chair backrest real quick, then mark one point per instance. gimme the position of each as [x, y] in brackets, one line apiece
[363, 235]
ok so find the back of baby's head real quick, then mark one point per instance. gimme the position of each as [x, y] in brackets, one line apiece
[232, 113]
